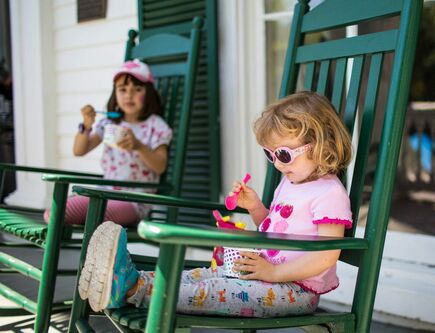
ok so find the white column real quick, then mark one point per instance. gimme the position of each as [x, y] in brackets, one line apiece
[242, 86]
[34, 97]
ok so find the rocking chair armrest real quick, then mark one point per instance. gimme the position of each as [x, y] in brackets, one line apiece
[15, 167]
[182, 235]
[71, 179]
[154, 199]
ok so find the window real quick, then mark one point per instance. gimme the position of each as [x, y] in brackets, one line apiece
[277, 18]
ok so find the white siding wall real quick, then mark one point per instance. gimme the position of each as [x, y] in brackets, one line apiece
[86, 54]
[59, 66]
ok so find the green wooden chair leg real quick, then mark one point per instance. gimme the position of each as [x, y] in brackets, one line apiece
[51, 258]
[161, 313]
[94, 217]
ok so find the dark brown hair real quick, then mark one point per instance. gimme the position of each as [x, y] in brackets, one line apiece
[152, 103]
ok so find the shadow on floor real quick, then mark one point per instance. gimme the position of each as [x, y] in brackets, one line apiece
[415, 209]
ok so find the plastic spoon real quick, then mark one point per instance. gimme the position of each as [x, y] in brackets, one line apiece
[110, 114]
[231, 200]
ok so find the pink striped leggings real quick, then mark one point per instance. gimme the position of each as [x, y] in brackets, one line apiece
[120, 212]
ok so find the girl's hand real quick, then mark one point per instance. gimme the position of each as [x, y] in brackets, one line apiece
[88, 114]
[247, 198]
[258, 267]
[129, 142]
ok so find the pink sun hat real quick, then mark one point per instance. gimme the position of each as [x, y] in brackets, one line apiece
[136, 68]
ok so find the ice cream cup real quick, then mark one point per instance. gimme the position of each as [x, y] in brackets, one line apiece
[112, 134]
[232, 253]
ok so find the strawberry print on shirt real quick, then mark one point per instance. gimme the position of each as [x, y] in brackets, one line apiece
[299, 209]
[120, 164]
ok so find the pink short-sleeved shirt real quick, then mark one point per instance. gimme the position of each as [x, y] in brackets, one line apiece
[298, 209]
[120, 164]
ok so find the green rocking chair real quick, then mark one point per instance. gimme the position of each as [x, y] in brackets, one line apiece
[174, 61]
[323, 66]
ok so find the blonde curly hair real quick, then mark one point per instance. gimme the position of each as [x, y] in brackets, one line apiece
[311, 118]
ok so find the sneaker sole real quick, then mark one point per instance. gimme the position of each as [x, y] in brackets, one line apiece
[104, 247]
[88, 267]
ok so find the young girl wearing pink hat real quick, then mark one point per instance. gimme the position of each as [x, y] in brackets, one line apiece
[135, 142]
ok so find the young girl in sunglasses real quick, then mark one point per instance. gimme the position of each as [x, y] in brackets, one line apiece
[306, 141]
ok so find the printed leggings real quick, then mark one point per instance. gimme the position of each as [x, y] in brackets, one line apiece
[120, 212]
[209, 292]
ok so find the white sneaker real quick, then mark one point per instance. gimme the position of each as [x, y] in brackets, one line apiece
[95, 281]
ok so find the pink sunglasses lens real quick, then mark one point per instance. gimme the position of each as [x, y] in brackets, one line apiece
[283, 156]
[269, 155]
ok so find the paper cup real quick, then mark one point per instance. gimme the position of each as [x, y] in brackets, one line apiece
[112, 134]
[230, 254]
